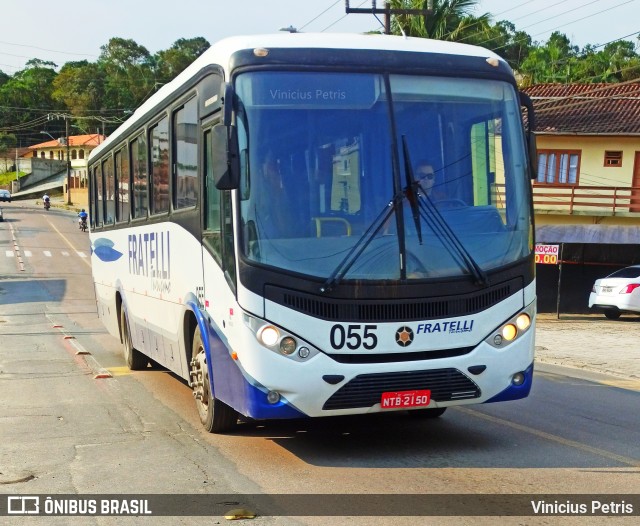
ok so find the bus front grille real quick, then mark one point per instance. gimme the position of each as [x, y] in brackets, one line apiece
[366, 390]
[392, 310]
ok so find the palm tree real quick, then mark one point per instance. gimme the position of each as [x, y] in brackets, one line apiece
[450, 20]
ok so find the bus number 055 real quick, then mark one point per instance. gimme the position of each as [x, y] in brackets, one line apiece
[354, 336]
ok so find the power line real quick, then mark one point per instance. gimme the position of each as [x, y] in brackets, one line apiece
[318, 16]
[341, 18]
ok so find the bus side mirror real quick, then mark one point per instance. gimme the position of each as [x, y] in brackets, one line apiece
[226, 165]
[525, 101]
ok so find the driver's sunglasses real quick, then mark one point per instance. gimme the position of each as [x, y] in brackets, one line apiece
[426, 175]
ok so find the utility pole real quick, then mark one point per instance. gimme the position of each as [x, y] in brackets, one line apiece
[66, 123]
[387, 11]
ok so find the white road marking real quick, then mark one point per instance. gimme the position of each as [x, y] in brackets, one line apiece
[47, 253]
[27, 253]
[9, 253]
[81, 254]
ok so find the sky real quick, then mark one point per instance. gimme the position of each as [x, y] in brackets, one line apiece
[63, 32]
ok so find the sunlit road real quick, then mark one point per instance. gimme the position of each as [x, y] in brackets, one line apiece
[65, 430]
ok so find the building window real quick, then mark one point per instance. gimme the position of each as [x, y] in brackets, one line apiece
[42, 155]
[612, 159]
[81, 154]
[51, 154]
[558, 167]
[74, 154]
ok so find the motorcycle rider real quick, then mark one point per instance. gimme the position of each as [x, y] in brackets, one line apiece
[82, 218]
[46, 201]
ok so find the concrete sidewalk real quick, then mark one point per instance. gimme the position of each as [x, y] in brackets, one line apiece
[590, 343]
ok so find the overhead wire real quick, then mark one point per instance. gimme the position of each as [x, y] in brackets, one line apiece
[319, 15]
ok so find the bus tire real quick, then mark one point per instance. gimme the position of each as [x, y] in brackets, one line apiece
[215, 416]
[434, 412]
[134, 359]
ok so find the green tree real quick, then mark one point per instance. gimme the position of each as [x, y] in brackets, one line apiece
[80, 86]
[26, 96]
[174, 60]
[450, 20]
[129, 73]
[503, 39]
[551, 62]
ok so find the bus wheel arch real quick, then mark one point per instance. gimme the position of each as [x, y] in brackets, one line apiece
[215, 415]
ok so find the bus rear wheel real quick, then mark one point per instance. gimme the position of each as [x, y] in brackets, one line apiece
[134, 359]
[215, 416]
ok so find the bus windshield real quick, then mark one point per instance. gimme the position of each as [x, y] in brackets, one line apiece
[327, 160]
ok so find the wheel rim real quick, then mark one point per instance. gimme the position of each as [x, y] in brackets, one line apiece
[200, 380]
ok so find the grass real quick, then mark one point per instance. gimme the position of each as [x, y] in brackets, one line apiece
[7, 177]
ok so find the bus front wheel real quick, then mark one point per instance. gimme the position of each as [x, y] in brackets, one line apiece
[134, 359]
[216, 416]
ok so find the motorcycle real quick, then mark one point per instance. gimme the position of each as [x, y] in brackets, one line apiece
[47, 205]
[82, 224]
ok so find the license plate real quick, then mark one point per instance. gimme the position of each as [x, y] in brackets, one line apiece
[607, 290]
[418, 398]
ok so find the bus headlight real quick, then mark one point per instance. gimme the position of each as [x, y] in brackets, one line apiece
[523, 321]
[513, 328]
[268, 335]
[278, 340]
[509, 332]
[288, 345]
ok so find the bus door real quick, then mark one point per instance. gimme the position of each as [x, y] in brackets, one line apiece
[218, 258]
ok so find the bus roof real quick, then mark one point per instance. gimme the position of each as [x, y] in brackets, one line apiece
[220, 54]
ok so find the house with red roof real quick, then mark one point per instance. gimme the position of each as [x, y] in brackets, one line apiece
[79, 148]
[588, 138]
[587, 191]
[77, 151]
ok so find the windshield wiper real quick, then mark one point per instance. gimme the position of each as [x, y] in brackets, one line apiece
[411, 191]
[438, 224]
[365, 239]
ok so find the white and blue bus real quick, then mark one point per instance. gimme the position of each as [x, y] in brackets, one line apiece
[259, 227]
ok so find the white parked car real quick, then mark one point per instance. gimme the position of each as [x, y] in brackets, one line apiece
[617, 293]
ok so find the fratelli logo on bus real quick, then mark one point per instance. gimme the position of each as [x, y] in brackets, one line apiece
[405, 334]
[150, 256]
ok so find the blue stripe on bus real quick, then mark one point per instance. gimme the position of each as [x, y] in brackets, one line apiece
[230, 385]
[515, 392]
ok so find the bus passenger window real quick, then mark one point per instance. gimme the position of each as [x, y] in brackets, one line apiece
[110, 192]
[160, 165]
[140, 181]
[186, 155]
[122, 183]
[99, 209]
